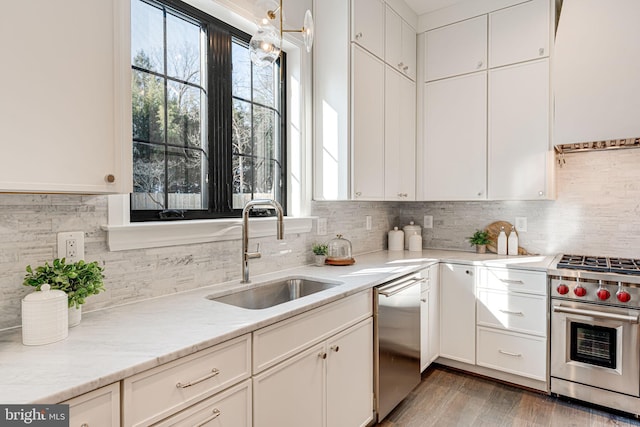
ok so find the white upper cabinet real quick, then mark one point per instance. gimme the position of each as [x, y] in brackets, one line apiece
[456, 49]
[400, 44]
[367, 109]
[455, 138]
[519, 131]
[519, 33]
[400, 137]
[65, 109]
[367, 27]
[596, 71]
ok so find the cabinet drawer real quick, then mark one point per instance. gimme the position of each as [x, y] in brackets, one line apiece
[515, 312]
[229, 408]
[98, 407]
[278, 342]
[504, 279]
[162, 391]
[514, 353]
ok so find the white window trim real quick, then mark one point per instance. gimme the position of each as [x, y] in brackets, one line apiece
[122, 234]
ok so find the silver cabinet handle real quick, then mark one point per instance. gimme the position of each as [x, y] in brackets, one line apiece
[515, 313]
[216, 414]
[541, 51]
[468, 272]
[335, 348]
[594, 313]
[405, 68]
[512, 282]
[480, 63]
[322, 355]
[508, 353]
[358, 193]
[540, 193]
[423, 300]
[358, 36]
[400, 65]
[212, 374]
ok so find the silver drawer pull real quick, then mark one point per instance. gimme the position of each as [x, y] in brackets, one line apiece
[512, 282]
[508, 353]
[213, 373]
[515, 313]
[216, 414]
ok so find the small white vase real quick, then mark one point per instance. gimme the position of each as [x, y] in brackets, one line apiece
[320, 260]
[75, 315]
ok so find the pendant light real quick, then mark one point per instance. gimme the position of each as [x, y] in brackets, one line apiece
[266, 44]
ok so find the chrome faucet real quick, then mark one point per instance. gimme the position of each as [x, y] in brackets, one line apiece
[246, 255]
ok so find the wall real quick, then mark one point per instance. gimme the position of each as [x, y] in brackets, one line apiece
[29, 223]
[597, 210]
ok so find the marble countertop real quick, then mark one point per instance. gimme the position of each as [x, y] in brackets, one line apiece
[118, 342]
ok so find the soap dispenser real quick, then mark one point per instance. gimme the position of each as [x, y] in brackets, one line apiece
[512, 243]
[502, 242]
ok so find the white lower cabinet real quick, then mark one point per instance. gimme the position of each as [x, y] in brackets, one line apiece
[327, 381]
[161, 392]
[430, 318]
[99, 407]
[458, 312]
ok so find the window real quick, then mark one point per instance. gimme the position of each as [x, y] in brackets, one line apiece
[208, 126]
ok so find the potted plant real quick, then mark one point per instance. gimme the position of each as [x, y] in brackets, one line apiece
[78, 280]
[480, 239]
[320, 250]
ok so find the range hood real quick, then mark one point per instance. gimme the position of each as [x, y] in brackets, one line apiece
[596, 75]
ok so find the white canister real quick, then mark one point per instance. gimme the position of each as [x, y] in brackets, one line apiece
[396, 239]
[415, 243]
[45, 316]
[410, 230]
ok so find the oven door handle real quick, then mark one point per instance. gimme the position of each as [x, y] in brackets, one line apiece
[598, 314]
[395, 288]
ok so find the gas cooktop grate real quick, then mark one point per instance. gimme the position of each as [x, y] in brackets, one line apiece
[600, 264]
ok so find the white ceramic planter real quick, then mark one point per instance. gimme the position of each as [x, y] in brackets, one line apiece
[75, 315]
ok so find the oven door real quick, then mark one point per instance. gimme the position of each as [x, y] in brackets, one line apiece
[596, 346]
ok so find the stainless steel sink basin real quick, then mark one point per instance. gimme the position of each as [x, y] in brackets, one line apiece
[274, 293]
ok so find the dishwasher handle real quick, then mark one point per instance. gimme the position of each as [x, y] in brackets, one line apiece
[393, 288]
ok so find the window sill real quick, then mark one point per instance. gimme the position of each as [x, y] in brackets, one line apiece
[155, 235]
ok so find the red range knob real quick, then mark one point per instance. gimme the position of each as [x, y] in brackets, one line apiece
[580, 291]
[623, 296]
[562, 289]
[603, 294]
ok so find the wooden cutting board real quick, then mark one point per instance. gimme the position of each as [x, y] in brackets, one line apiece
[494, 229]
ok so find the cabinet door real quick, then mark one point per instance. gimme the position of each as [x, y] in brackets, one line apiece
[409, 52]
[367, 109]
[425, 328]
[349, 376]
[456, 49]
[393, 39]
[519, 33]
[455, 141]
[65, 105]
[519, 131]
[458, 313]
[367, 27]
[99, 407]
[434, 313]
[400, 137]
[292, 394]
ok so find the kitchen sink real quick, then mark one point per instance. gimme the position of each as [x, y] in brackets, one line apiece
[274, 293]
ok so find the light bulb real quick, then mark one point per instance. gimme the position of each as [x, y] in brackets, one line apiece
[264, 47]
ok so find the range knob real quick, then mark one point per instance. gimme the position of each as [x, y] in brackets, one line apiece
[603, 294]
[623, 296]
[562, 289]
[580, 291]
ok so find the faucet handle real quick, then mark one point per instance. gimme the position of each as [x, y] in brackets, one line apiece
[254, 255]
[258, 247]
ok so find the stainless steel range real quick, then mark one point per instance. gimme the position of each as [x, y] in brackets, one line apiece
[595, 336]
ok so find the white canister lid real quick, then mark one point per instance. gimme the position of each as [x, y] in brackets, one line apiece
[45, 294]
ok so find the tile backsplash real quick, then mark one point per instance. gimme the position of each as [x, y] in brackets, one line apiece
[597, 211]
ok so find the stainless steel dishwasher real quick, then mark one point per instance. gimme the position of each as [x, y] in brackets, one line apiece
[397, 341]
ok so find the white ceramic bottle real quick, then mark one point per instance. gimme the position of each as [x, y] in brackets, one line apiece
[502, 242]
[512, 242]
[396, 240]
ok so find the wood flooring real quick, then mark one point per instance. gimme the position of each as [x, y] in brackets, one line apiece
[448, 398]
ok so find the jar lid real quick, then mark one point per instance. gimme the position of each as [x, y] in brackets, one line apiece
[45, 294]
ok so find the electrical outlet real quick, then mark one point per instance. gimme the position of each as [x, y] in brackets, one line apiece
[71, 246]
[321, 227]
[428, 221]
[521, 223]
[368, 221]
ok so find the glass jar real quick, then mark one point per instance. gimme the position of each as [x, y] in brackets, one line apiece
[339, 251]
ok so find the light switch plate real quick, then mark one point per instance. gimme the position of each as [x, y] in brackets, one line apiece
[428, 221]
[368, 222]
[321, 226]
[521, 223]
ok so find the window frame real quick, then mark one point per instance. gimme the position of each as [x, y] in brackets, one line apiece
[218, 87]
